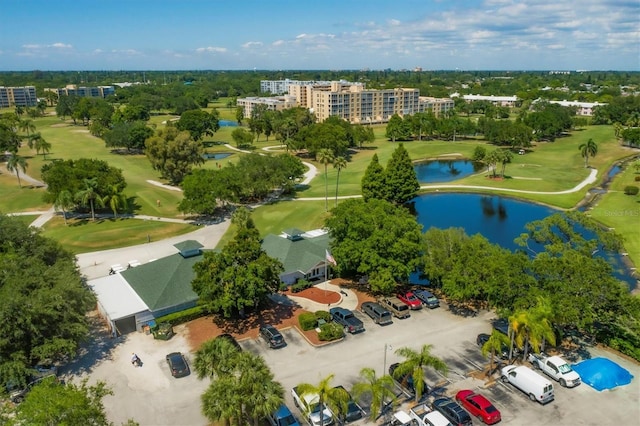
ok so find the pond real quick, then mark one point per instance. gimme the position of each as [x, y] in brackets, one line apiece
[215, 155]
[435, 171]
[499, 219]
[227, 123]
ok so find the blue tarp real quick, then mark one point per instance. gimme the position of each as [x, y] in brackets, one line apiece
[602, 373]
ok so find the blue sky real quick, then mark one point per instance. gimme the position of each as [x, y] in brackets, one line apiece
[320, 34]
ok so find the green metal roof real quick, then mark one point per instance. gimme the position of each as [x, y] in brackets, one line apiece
[165, 282]
[299, 255]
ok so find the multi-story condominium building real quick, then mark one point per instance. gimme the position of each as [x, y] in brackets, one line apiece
[18, 96]
[439, 106]
[280, 87]
[277, 103]
[84, 92]
[582, 108]
[508, 101]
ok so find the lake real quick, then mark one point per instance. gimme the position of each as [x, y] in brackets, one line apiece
[436, 171]
[499, 219]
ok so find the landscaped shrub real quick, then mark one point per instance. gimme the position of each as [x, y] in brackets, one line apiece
[300, 285]
[330, 331]
[325, 315]
[308, 321]
[631, 190]
[183, 316]
[637, 178]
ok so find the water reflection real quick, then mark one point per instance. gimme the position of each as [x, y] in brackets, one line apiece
[445, 170]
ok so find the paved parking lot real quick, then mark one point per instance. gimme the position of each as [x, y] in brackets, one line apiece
[152, 397]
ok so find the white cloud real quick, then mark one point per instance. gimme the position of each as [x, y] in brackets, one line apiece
[62, 46]
[211, 49]
[251, 44]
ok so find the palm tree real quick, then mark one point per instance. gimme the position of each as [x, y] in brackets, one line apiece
[215, 357]
[90, 195]
[531, 327]
[221, 400]
[64, 201]
[339, 163]
[493, 346]
[262, 394]
[414, 364]
[506, 158]
[334, 398]
[115, 199]
[40, 144]
[27, 125]
[379, 389]
[325, 156]
[15, 163]
[588, 149]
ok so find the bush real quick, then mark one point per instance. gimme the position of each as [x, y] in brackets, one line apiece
[308, 321]
[325, 315]
[330, 331]
[183, 316]
[300, 285]
[637, 178]
[631, 190]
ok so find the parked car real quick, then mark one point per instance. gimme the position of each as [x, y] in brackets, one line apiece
[346, 319]
[532, 384]
[354, 411]
[406, 381]
[452, 411]
[283, 417]
[396, 306]
[410, 299]
[483, 338]
[556, 368]
[478, 406]
[272, 336]
[377, 313]
[427, 298]
[178, 364]
[231, 340]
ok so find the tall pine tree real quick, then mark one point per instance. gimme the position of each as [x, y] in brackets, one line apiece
[400, 177]
[373, 182]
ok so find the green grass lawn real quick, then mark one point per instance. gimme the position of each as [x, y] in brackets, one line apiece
[547, 167]
[622, 212]
[84, 235]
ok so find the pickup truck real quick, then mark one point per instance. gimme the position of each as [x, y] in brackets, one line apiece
[309, 405]
[423, 415]
[556, 368]
[347, 319]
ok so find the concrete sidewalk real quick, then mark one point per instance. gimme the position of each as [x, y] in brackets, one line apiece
[348, 299]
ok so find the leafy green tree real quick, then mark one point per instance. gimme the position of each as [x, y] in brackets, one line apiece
[242, 137]
[362, 134]
[379, 389]
[334, 398]
[494, 346]
[51, 403]
[400, 177]
[173, 153]
[128, 134]
[339, 163]
[398, 129]
[66, 105]
[199, 123]
[588, 149]
[414, 364]
[238, 277]
[372, 236]
[15, 163]
[89, 195]
[479, 152]
[43, 311]
[325, 157]
[239, 115]
[373, 181]
[9, 138]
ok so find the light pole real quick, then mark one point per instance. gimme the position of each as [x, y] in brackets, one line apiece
[384, 371]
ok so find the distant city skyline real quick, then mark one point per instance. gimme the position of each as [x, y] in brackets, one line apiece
[331, 34]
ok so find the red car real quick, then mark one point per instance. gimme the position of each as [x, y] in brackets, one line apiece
[411, 300]
[478, 406]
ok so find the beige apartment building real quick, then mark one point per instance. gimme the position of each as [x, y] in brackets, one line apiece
[350, 101]
[18, 96]
[83, 92]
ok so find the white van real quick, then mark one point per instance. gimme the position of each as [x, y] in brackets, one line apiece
[534, 385]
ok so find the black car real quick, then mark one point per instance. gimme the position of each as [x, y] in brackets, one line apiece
[406, 381]
[272, 336]
[427, 298]
[452, 411]
[354, 412]
[178, 365]
[229, 338]
[483, 338]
